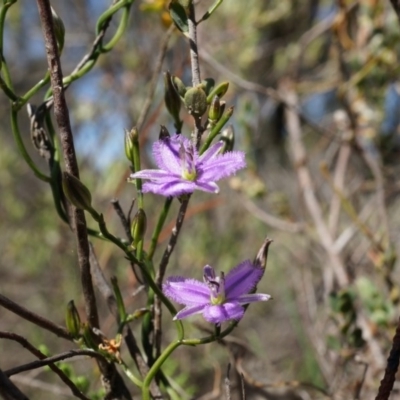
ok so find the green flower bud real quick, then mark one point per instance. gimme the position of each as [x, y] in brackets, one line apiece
[196, 101]
[171, 97]
[59, 30]
[72, 320]
[89, 337]
[76, 192]
[128, 145]
[179, 86]
[214, 111]
[207, 84]
[163, 133]
[228, 137]
[138, 227]
[219, 90]
[222, 105]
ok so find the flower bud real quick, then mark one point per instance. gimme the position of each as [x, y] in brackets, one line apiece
[59, 30]
[207, 84]
[228, 137]
[171, 97]
[262, 255]
[196, 101]
[163, 133]
[179, 86]
[128, 145]
[138, 227]
[72, 320]
[89, 337]
[219, 90]
[214, 111]
[76, 192]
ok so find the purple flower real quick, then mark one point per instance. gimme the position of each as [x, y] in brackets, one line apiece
[182, 170]
[218, 298]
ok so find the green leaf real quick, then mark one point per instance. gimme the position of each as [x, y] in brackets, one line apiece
[178, 15]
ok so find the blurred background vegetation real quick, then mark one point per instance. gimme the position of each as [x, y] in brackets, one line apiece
[332, 67]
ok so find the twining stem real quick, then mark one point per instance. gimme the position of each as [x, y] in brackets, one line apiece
[21, 147]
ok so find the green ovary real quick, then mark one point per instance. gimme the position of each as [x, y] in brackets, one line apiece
[220, 299]
[189, 175]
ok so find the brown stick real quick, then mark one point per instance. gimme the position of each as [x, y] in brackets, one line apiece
[115, 384]
[392, 366]
[34, 318]
[37, 353]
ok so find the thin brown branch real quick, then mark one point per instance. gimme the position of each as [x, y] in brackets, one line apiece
[8, 391]
[62, 117]
[161, 272]
[53, 359]
[37, 353]
[100, 282]
[34, 318]
[112, 380]
[122, 217]
[153, 83]
[392, 366]
[299, 159]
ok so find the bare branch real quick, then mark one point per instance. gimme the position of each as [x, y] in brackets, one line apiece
[37, 353]
[34, 318]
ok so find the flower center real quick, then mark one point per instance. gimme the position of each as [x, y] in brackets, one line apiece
[216, 284]
[186, 154]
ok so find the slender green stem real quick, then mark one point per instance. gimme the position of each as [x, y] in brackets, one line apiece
[157, 230]
[217, 128]
[8, 92]
[174, 345]
[22, 149]
[155, 368]
[120, 30]
[32, 91]
[210, 11]
[130, 375]
[109, 13]
[3, 64]
[120, 303]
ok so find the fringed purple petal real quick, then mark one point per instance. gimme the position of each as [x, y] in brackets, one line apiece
[221, 167]
[253, 298]
[186, 291]
[242, 279]
[211, 152]
[153, 174]
[174, 187]
[216, 314]
[166, 154]
[189, 311]
[207, 186]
